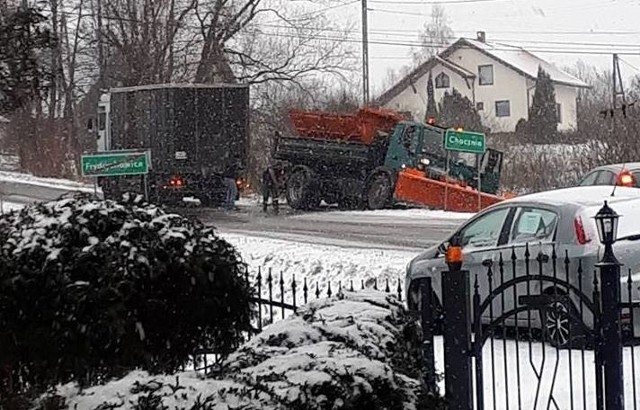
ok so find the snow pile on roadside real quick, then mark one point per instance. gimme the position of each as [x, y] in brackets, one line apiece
[27, 179]
[353, 351]
[389, 215]
[8, 162]
[319, 264]
[9, 206]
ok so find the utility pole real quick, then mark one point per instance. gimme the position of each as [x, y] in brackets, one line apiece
[365, 55]
[618, 91]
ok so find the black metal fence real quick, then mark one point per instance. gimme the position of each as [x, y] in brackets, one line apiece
[276, 297]
[531, 330]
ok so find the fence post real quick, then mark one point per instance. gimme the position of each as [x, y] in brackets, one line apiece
[456, 296]
[611, 347]
[427, 324]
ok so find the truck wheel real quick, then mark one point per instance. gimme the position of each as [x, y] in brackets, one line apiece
[379, 191]
[300, 193]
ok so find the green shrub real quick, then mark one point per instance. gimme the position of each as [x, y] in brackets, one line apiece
[93, 289]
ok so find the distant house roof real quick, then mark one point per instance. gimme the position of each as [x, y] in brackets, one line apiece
[516, 58]
[418, 73]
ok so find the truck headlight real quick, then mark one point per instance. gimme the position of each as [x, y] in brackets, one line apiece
[423, 164]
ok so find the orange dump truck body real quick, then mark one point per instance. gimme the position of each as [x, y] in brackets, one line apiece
[414, 187]
[361, 126]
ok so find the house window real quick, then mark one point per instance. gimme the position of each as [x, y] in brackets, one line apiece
[503, 109]
[559, 113]
[485, 74]
[442, 81]
[479, 106]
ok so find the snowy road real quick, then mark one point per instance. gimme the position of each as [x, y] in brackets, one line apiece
[395, 229]
[403, 229]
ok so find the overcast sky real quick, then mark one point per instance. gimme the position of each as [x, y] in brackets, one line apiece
[561, 31]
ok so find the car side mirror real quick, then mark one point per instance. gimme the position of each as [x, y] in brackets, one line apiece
[442, 248]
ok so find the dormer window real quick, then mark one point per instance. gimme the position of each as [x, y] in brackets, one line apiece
[442, 81]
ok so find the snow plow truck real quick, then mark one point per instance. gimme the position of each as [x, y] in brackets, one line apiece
[374, 158]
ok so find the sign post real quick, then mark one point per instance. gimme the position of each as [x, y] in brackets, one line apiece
[117, 163]
[469, 142]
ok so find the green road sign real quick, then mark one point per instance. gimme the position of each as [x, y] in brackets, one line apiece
[115, 163]
[463, 141]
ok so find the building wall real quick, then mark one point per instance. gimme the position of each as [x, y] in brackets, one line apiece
[508, 85]
[414, 99]
[567, 97]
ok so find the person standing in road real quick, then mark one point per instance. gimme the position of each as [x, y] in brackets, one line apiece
[229, 181]
[272, 183]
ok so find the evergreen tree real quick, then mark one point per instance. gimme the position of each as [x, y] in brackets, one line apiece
[432, 109]
[24, 42]
[542, 126]
[458, 111]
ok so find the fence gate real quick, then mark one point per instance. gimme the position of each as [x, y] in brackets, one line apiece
[524, 331]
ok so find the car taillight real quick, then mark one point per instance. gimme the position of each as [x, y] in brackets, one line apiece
[176, 181]
[626, 178]
[581, 235]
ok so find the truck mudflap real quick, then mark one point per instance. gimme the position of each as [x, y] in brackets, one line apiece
[414, 187]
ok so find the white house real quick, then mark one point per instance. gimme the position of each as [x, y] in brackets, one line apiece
[499, 79]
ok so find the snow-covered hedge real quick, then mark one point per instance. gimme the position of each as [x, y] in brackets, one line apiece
[92, 289]
[353, 351]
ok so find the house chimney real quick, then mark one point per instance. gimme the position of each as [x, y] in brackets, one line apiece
[482, 36]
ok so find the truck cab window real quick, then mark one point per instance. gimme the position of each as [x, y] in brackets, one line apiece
[409, 139]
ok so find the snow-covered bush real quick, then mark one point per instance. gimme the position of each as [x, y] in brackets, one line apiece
[353, 351]
[93, 289]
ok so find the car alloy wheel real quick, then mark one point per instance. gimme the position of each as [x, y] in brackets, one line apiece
[557, 324]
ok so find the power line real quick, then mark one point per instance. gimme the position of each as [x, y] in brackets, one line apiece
[451, 2]
[633, 67]
[495, 41]
[542, 47]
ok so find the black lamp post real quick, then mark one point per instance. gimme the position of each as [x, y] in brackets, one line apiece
[611, 347]
[607, 223]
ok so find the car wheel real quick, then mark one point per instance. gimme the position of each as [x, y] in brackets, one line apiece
[559, 326]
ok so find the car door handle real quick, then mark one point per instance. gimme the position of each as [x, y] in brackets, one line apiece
[487, 263]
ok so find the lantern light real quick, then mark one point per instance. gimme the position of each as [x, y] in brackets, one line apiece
[607, 223]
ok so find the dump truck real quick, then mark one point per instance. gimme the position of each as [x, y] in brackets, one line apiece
[375, 157]
[195, 134]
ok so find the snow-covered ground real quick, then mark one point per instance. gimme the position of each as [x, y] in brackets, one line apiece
[320, 264]
[394, 216]
[20, 178]
[537, 360]
[9, 206]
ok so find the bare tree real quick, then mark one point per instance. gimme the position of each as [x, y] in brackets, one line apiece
[256, 41]
[437, 35]
[140, 38]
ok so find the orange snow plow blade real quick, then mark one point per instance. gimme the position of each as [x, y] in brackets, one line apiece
[412, 186]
